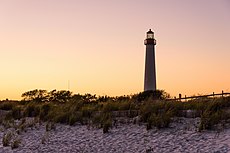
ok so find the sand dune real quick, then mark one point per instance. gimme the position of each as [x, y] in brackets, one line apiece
[182, 136]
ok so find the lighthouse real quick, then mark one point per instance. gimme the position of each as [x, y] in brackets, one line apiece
[150, 68]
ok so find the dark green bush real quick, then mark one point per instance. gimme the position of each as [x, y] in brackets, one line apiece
[72, 119]
[17, 112]
[107, 124]
[76, 117]
[147, 110]
[214, 113]
[87, 111]
[153, 95]
[62, 117]
[7, 105]
[124, 105]
[152, 107]
[97, 120]
[32, 110]
[103, 120]
[44, 111]
[50, 126]
[209, 119]
[15, 144]
[110, 106]
[6, 139]
[161, 120]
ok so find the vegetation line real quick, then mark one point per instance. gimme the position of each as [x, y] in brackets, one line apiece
[150, 108]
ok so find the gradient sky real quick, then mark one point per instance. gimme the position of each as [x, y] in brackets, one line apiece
[98, 45]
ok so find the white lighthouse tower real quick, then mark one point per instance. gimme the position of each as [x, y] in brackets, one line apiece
[150, 68]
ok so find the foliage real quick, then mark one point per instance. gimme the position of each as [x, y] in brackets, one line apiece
[44, 96]
[107, 124]
[153, 95]
[110, 106]
[15, 143]
[44, 111]
[161, 120]
[151, 106]
[59, 96]
[32, 110]
[89, 98]
[35, 95]
[7, 105]
[157, 114]
[103, 98]
[213, 114]
[50, 126]
[6, 139]
[16, 112]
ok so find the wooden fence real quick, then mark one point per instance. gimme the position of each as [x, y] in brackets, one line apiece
[213, 95]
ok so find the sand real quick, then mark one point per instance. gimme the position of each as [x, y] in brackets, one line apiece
[182, 136]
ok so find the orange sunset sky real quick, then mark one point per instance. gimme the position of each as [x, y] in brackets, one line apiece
[98, 46]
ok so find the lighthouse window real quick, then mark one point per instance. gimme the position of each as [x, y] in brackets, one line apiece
[149, 36]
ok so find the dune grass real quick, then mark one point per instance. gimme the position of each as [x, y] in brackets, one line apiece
[152, 107]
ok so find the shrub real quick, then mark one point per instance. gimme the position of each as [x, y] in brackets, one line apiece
[35, 95]
[72, 119]
[110, 106]
[8, 123]
[59, 96]
[103, 120]
[161, 120]
[7, 105]
[157, 94]
[214, 113]
[79, 117]
[45, 138]
[6, 139]
[87, 111]
[124, 105]
[15, 143]
[62, 117]
[16, 112]
[32, 110]
[107, 124]
[97, 120]
[8, 116]
[209, 119]
[50, 126]
[44, 111]
[146, 110]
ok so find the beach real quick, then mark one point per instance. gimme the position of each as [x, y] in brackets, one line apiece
[181, 136]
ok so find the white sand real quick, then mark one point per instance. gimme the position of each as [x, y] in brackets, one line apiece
[181, 137]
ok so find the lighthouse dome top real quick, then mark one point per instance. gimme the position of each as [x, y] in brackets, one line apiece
[150, 32]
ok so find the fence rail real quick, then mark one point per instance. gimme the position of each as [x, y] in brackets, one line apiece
[213, 95]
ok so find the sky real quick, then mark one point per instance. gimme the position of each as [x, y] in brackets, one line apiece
[98, 46]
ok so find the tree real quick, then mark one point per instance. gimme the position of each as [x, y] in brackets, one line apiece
[59, 96]
[157, 94]
[89, 98]
[35, 95]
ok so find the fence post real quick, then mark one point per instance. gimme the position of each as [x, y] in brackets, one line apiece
[180, 97]
[213, 94]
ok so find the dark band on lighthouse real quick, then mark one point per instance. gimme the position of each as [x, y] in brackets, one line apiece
[150, 68]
